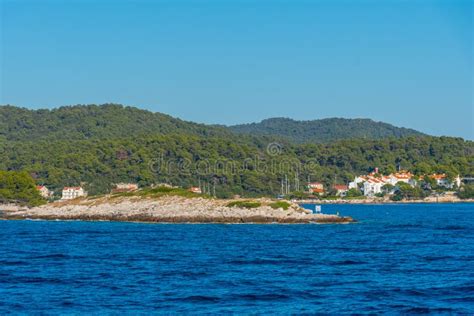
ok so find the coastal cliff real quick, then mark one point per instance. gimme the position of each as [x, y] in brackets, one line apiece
[174, 209]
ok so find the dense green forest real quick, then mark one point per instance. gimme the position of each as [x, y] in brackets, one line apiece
[102, 145]
[325, 130]
[93, 121]
[116, 121]
[19, 188]
[235, 168]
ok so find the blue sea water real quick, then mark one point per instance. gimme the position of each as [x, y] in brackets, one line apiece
[413, 258]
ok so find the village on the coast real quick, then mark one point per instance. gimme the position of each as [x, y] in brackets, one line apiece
[372, 185]
[376, 184]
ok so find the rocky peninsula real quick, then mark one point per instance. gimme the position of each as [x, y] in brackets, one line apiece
[173, 207]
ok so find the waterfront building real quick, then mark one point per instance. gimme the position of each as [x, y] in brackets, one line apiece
[44, 191]
[70, 193]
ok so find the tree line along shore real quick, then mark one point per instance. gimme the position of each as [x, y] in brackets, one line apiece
[20, 188]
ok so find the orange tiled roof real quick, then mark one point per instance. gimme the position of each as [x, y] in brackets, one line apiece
[438, 176]
[340, 187]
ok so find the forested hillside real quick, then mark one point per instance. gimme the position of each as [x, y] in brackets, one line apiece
[325, 130]
[246, 169]
[117, 121]
[102, 145]
[92, 122]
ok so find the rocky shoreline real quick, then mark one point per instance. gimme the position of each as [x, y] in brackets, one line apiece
[441, 199]
[170, 209]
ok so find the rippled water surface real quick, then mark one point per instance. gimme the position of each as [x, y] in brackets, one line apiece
[399, 259]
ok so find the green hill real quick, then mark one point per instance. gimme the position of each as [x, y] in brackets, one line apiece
[245, 169]
[325, 130]
[117, 121]
[102, 145]
[93, 122]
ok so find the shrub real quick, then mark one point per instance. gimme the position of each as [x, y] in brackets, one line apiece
[20, 188]
[354, 193]
[280, 204]
[244, 204]
[466, 192]
[160, 191]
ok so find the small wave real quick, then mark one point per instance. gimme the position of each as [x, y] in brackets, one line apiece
[452, 227]
[105, 275]
[330, 283]
[52, 256]
[410, 292]
[406, 226]
[465, 299]
[436, 258]
[268, 261]
[185, 274]
[263, 297]
[427, 310]
[67, 303]
[13, 263]
[200, 299]
[348, 262]
[32, 280]
[464, 288]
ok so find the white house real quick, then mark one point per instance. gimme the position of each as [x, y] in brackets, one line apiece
[373, 186]
[44, 192]
[315, 187]
[443, 181]
[70, 193]
[355, 184]
[341, 189]
[404, 176]
[373, 182]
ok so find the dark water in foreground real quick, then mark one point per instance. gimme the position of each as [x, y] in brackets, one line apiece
[398, 259]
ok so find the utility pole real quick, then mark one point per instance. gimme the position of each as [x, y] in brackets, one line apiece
[287, 184]
[297, 182]
[309, 181]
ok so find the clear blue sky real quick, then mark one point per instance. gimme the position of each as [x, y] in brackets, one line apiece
[409, 63]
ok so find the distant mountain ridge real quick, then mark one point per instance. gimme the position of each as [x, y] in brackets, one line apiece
[93, 122]
[118, 121]
[324, 130]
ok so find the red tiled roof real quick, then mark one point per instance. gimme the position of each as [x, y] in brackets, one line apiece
[72, 188]
[438, 176]
[374, 180]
